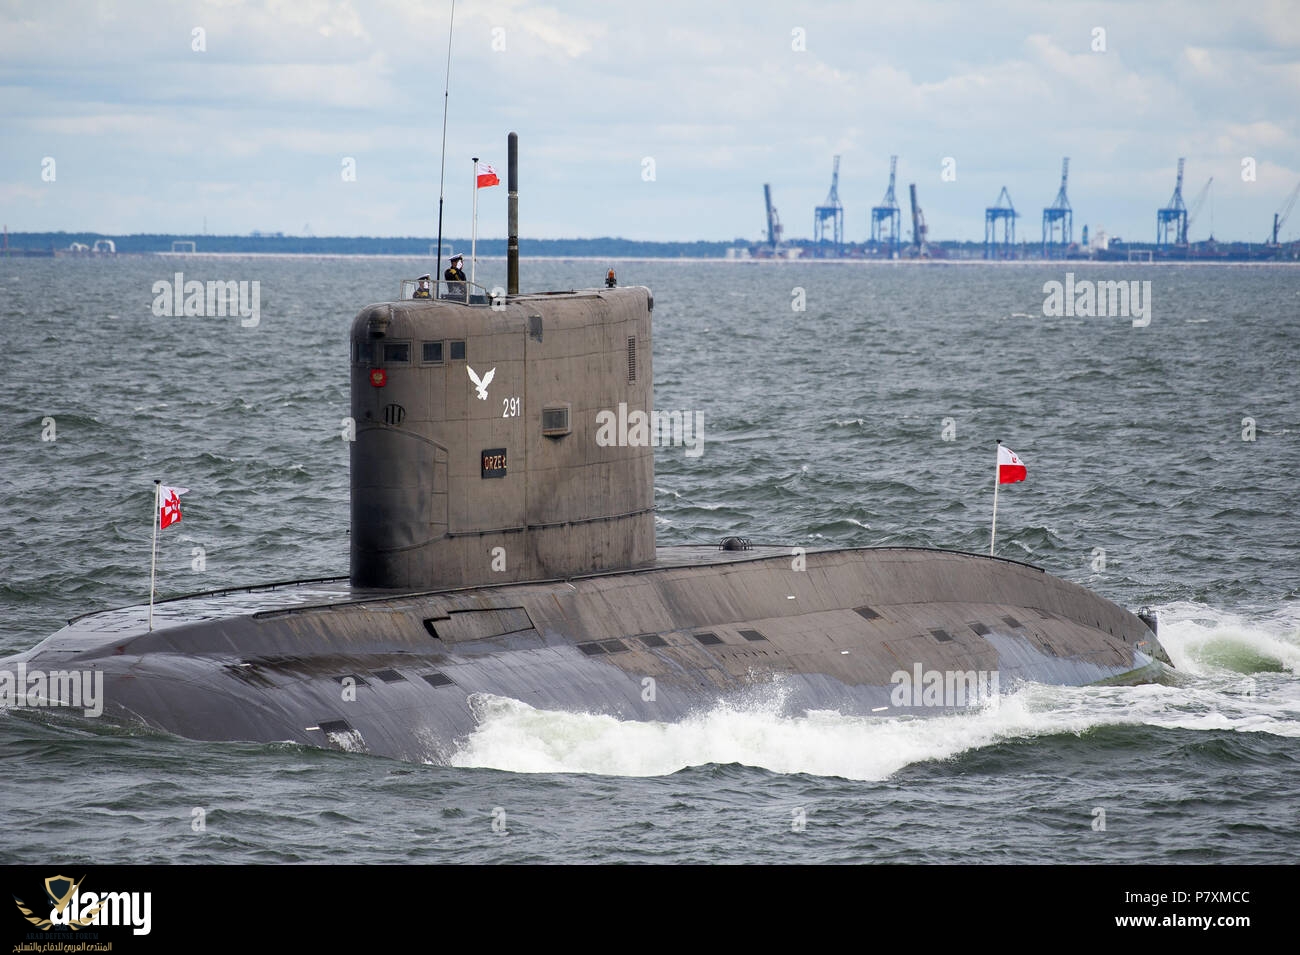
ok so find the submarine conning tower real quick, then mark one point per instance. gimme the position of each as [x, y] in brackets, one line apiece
[479, 457]
[492, 435]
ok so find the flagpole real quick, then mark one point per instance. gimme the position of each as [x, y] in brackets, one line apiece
[153, 566]
[473, 239]
[997, 479]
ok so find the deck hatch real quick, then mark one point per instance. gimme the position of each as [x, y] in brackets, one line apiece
[866, 613]
[752, 635]
[941, 635]
[979, 628]
[652, 640]
[463, 625]
[707, 638]
[591, 649]
[389, 676]
[1012, 622]
[438, 679]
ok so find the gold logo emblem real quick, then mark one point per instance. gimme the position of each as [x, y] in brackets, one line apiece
[60, 889]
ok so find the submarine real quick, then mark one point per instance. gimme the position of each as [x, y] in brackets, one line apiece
[503, 545]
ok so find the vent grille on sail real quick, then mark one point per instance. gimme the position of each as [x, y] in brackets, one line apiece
[555, 421]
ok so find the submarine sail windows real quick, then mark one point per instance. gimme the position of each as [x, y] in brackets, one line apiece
[432, 353]
[457, 351]
[362, 353]
[397, 353]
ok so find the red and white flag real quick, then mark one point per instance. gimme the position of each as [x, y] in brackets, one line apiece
[487, 176]
[1010, 467]
[169, 505]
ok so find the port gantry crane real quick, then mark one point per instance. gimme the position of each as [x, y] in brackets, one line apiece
[773, 220]
[1279, 217]
[1171, 221]
[833, 211]
[1006, 214]
[919, 229]
[886, 218]
[1058, 219]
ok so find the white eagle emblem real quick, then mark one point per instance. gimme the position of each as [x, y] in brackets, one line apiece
[481, 383]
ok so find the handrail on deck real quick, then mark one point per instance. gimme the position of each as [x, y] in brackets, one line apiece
[466, 292]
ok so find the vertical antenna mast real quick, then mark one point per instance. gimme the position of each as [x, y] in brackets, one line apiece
[512, 215]
[442, 175]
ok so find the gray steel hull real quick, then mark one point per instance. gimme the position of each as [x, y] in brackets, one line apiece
[877, 632]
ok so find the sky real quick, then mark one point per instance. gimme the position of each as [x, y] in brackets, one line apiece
[646, 120]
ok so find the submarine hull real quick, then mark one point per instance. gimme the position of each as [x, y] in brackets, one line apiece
[879, 632]
[503, 545]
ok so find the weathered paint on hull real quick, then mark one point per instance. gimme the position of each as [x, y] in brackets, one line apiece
[329, 665]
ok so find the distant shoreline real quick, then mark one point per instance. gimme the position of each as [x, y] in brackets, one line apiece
[608, 249]
[681, 260]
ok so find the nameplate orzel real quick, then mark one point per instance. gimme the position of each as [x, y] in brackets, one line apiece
[493, 463]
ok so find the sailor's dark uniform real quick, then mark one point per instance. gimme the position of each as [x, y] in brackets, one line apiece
[456, 283]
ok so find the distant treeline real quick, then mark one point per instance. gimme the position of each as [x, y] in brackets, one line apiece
[48, 243]
[373, 245]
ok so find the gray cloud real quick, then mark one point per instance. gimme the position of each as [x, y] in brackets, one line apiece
[150, 135]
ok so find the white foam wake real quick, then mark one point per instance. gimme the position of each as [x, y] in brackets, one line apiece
[1215, 696]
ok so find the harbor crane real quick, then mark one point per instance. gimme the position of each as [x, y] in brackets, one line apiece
[1007, 215]
[919, 228]
[831, 210]
[1058, 219]
[886, 218]
[1171, 221]
[773, 220]
[1279, 217]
